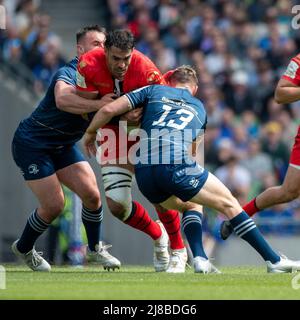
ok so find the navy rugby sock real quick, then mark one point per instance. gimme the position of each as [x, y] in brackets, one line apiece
[192, 227]
[246, 229]
[35, 226]
[92, 222]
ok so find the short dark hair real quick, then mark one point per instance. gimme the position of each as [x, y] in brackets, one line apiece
[83, 31]
[121, 38]
[184, 74]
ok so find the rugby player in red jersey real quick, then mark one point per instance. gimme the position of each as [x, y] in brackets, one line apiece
[119, 68]
[287, 91]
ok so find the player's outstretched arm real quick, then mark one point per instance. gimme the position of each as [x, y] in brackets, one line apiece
[68, 100]
[106, 113]
[101, 118]
[286, 92]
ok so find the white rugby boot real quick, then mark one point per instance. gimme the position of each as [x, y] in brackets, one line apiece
[33, 259]
[178, 261]
[103, 257]
[161, 256]
[284, 265]
[202, 265]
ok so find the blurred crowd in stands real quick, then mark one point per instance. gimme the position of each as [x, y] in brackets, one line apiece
[28, 40]
[239, 48]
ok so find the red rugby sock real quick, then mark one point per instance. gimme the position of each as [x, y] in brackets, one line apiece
[250, 208]
[140, 219]
[171, 222]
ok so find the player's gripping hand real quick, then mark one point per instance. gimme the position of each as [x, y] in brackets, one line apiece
[106, 99]
[133, 117]
[89, 144]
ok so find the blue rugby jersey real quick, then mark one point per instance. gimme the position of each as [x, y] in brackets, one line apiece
[172, 120]
[49, 127]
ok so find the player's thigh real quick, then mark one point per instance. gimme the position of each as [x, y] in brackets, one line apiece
[126, 166]
[192, 206]
[216, 195]
[80, 178]
[153, 182]
[75, 172]
[174, 203]
[49, 193]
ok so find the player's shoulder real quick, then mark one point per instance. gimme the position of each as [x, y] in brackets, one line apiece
[136, 54]
[69, 67]
[156, 88]
[296, 59]
[91, 59]
[67, 73]
[199, 103]
[292, 70]
[294, 62]
[145, 68]
[139, 58]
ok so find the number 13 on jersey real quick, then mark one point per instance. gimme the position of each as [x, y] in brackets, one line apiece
[184, 119]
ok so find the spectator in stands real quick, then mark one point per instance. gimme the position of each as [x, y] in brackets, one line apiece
[274, 146]
[231, 173]
[258, 163]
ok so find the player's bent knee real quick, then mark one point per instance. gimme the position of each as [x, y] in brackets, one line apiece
[117, 185]
[92, 199]
[290, 195]
[53, 210]
[229, 206]
[191, 206]
[119, 210]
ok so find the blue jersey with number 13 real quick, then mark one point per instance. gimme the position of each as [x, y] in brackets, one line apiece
[172, 119]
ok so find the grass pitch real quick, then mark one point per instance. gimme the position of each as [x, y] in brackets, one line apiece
[142, 283]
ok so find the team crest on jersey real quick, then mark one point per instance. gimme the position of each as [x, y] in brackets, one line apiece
[80, 81]
[291, 70]
[33, 169]
[82, 64]
[153, 77]
[194, 182]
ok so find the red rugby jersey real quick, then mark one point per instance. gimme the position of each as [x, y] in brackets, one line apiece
[93, 74]
[292, 72]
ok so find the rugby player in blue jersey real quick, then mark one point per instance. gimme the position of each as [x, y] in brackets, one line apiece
[44, 148]
[173, 117]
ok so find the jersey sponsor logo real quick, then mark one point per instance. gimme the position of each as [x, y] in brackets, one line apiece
[80, 80]
[33, 169]
[153, 77]
[291, 70]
